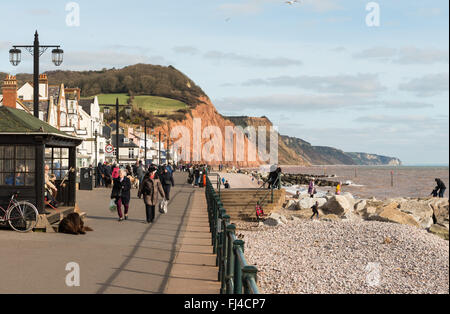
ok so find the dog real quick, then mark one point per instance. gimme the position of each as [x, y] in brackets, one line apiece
[73, 224]
[134, 182]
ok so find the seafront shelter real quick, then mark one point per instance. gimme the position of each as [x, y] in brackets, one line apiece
[27, 144]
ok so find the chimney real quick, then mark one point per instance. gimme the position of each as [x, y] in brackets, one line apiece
[43, 86]
[9, 90]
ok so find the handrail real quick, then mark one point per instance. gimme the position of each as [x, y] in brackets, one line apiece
[235, 274]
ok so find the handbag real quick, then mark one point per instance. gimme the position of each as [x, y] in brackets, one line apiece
[163, 207]
[112, 206]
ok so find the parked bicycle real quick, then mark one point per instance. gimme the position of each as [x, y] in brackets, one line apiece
[22, 216]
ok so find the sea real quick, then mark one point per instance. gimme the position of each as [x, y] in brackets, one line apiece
[381, 182]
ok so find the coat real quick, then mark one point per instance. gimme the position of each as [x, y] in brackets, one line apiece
[155, 187]
[167, 179]
[122, 190]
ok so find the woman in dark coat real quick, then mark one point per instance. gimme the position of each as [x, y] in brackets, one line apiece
[121, 193]
[150, 188]
[167, 182]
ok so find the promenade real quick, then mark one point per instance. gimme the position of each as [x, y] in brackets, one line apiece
[173, 255]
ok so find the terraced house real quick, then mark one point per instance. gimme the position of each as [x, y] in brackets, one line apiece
[63, 109]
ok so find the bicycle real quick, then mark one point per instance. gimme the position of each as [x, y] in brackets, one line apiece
[22, 216]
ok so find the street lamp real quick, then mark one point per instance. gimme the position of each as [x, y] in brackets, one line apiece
[57, 56]
[36, 50]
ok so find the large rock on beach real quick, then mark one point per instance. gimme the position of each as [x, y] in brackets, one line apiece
[308, 203]
[338, 205]
[440, 210]
[275, 219]
[440, 231]
[420, 210]
[391, 213]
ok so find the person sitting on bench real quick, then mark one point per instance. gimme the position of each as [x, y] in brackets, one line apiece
[49, 185]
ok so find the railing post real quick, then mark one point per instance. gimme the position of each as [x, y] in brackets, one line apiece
[224, 252]
[248, 273]
[220, 239]
[231, 234]
[237, 245]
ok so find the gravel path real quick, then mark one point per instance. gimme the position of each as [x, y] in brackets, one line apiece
[335, 257]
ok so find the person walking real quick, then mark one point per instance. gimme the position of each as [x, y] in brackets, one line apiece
[115, 172]
[311, 188]
[167, 182]
[315, 210]
[121, 193]
[149, 189]
[99, 175]
[196, 175]
[140, 173]
[441, 186]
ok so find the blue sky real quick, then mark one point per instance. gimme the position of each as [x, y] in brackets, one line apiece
[314, 68]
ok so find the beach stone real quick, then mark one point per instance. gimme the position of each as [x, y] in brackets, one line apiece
[440, 210]
[360, 206]
[289, 204]
[420, 210]
[440, 231]
[330, 217]
[308, 203]
[391, 213]
[274, 220]
[338, 205]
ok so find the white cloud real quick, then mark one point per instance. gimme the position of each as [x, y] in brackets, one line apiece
[428, 85]
[404, 56]
[290, 103]
[251, 60]
[360, 83]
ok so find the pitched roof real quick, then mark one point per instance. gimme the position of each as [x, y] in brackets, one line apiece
[86, 105]
[17, 121]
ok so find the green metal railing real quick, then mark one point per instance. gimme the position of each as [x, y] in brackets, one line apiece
[235, 274]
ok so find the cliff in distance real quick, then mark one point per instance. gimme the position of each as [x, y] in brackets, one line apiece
[295, 151]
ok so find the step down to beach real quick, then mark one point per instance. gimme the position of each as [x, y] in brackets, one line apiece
[240, 204]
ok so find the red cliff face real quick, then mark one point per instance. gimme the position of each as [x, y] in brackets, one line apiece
[209, 116]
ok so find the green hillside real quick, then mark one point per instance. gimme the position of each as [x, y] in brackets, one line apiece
[157, 105]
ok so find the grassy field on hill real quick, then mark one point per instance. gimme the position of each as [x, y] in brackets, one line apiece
[158, 105]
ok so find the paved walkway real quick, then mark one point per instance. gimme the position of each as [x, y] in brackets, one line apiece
[171, 256]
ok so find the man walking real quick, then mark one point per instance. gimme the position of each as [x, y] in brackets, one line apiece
[140, 172]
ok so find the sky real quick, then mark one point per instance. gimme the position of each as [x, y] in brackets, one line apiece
[315, 68]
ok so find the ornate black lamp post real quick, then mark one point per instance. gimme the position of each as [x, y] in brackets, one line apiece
[36, 51]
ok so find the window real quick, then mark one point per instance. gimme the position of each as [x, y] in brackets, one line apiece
[57, 159]
[131, 153]
[17, 165]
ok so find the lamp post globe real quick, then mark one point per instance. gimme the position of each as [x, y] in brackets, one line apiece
[57, 56]
[15, 56]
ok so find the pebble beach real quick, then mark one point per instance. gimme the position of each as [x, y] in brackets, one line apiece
[318, 257]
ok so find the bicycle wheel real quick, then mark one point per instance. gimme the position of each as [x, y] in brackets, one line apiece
[23, 217]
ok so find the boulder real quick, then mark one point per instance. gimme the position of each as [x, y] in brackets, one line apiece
[337, 205]
[420, 210]
[308, 203]
[440, 210]
[391, 213]
[440, 231]
[360, 206]
[274, 220]
[351, 200]
[290, 204]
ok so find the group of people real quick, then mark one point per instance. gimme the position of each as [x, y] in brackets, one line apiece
[154, 181]
[197, 175]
